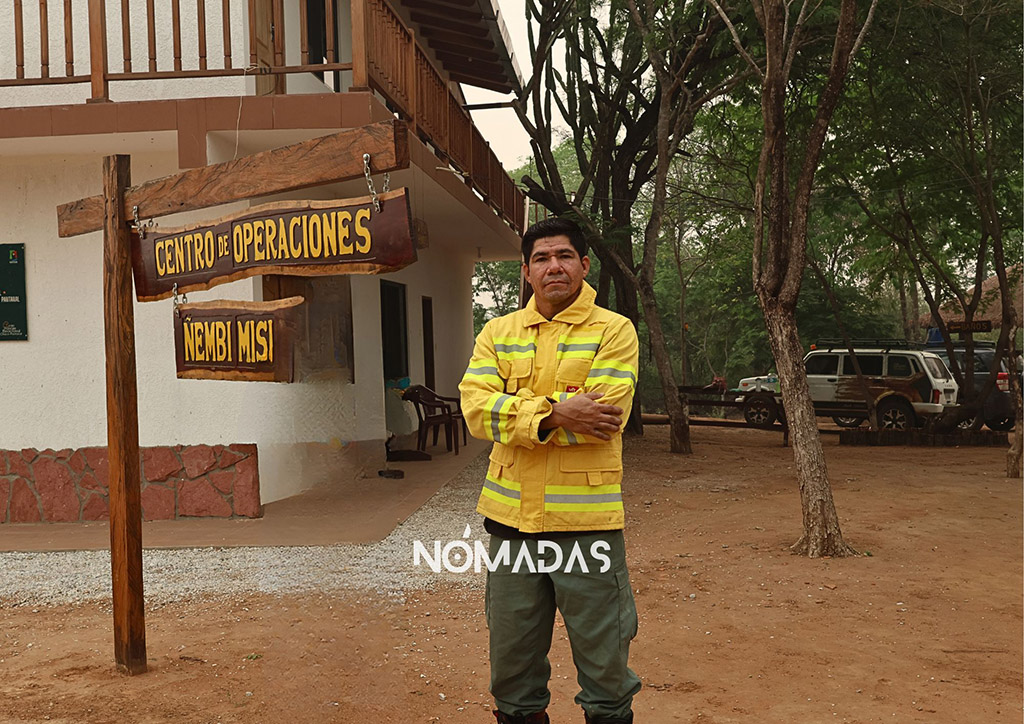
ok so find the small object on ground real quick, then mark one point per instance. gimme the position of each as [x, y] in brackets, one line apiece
[388, 473]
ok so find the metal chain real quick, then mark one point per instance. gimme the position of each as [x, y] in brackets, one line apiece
[369, 182]
[175, 301]
[139, 225]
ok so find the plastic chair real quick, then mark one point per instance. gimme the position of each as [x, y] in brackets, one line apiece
[433, 413]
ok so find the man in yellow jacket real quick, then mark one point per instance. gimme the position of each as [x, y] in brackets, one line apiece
[550, 385]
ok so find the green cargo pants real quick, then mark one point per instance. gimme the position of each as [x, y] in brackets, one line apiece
[599, 613]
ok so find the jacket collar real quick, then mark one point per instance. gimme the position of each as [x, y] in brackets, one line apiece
[575, 313]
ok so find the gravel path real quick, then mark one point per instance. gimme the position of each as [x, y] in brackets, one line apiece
[386, 568]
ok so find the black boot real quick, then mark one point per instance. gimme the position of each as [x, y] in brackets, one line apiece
[539, 717]
[628, 719]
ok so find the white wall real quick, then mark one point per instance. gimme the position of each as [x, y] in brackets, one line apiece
[53, 385]
[446, 277]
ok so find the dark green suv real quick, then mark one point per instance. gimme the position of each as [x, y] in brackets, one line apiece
[997, 407]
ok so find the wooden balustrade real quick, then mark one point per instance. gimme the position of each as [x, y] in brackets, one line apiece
[496, 172]
[460, 126]
[184, 54]
[44, 40]
[389, 45]
[422, 96]
[432, 101]
[480, 165]
[385, 58]
[69, 42]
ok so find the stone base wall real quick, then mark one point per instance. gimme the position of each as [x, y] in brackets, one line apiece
[181, 481]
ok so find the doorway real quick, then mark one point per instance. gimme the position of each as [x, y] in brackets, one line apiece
[268, 27]
[428, 343]
[393, 330]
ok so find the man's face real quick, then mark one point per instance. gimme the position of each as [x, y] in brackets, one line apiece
[556, 273]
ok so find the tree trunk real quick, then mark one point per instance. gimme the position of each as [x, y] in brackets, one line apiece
[684, 358]
[1015, 454]
[780, 249]
[862, 382]
[625, 304]
[915, 311]
[604, 284]
[822, 535]
[677, 417]
[901, 286]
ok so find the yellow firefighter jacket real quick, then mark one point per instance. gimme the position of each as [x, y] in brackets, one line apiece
[550, 480]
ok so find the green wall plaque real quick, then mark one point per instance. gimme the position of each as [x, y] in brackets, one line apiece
[13, 308]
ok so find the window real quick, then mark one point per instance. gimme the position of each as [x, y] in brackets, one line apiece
[323, 344]
[938, 370]
[822, 364]
[900, 366]
[870, 365]
[394, 339]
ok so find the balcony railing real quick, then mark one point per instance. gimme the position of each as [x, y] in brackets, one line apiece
[224, 38]
[398, 68]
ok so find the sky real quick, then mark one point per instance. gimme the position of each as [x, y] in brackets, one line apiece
[500, 126]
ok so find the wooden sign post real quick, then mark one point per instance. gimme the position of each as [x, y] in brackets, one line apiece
[330, 159]
[122, 423]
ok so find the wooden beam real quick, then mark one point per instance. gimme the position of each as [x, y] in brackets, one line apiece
[439, 33]
[455, 3]
[478, 54]
[122, 423]
[470, 66]
[324, 160]
[468, 30]
[468, 79]
[443, 10]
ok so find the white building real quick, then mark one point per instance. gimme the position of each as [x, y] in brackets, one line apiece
[196, 84]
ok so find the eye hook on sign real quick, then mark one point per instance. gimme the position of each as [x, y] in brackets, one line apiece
[369, 182]
[139, 225]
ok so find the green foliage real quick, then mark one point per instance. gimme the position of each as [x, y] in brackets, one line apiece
[495, 291]
[930, 160]
[902, 143]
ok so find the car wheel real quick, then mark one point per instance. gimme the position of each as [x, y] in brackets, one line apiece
[1003, 424]
[968, 423]
[844, 421]
[760, 411]
[895, 415]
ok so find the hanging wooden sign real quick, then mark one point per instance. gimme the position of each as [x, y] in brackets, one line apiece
[299, 238]
[224, 340]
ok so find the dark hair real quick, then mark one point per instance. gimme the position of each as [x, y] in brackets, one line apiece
[554, 226]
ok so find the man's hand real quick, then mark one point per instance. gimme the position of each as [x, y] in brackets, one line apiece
[583, 414]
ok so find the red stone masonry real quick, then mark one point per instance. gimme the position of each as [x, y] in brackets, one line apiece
[181, 481]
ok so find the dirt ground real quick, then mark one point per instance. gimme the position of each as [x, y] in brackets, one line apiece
[733, 628]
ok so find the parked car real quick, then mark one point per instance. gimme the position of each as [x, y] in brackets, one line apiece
[997, 408]
[910, 385]
[764, 383]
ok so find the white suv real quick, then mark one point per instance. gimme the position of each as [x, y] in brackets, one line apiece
[909, 385]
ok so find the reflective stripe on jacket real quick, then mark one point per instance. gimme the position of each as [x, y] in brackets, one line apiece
[550, 480]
